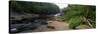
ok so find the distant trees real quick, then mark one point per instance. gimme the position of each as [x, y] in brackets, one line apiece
[34, 7]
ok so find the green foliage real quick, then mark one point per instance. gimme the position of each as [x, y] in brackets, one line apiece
[75, 21]
[34, 7]
[72, 11]
[73, 14]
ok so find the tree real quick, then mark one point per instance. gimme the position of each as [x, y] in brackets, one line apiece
[41, 8]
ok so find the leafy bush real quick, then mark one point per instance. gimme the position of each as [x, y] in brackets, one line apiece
[75, 21]
[74, 14]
